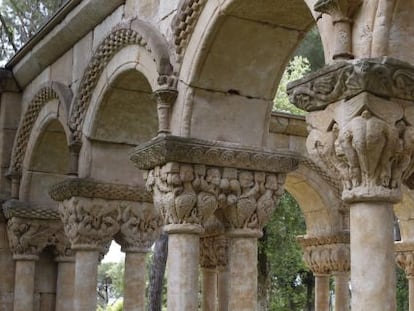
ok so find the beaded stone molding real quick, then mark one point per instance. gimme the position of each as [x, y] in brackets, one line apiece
[164, 149]
[87, 188]
[16, 208]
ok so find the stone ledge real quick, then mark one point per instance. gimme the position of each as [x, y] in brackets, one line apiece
[87, 188]
[164, 149]
[384, 77]
[339, 238]
[16, 208]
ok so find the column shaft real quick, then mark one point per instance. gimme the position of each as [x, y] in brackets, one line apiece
[134, 281]
[182, 267]
[341, 291]
[243, 274]
[223, 290]
[372, 257]
[411, 293]
[321, 292]
[86, 276]
[209, 292]
[65, 285]
[24, 285]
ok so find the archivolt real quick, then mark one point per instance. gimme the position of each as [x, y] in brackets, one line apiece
[46, 93]
[134, 32]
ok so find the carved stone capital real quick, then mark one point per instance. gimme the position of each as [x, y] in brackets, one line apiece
[165, 149]
[325, 255]
[404, 257]
[140, 227]
[214, 252]
[28, 237]
[190, 194]
[31, 229]
[90, 223]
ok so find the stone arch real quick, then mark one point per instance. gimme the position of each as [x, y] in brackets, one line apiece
[47, 157]
[46, 93]
[229, 74]
[319, 201]
[122, 114]
[131, 33]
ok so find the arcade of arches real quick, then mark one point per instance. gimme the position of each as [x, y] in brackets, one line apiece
[123, 117]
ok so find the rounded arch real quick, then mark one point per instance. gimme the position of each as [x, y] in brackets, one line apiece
[319, 201]
[132, 33]
[233, 62]
[51, 91]
[122, 114]
[47, 156]
[404, 211]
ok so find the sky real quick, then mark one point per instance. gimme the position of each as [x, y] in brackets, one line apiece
[114, 254]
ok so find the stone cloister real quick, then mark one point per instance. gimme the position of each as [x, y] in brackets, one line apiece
[123, 117]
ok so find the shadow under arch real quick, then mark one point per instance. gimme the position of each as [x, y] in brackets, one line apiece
[233, 62]
[121, 115]
[318, 201]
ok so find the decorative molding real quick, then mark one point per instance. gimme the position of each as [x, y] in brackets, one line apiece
[133, 32]
[48, 92]
[385, 77]
[339, 238]
[88, 188]
[14, 208]
[165, 149]
[184, 23]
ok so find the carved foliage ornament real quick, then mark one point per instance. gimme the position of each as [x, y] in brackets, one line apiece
[140, 227]
[190, 194]
[324, 255]
[384, 77]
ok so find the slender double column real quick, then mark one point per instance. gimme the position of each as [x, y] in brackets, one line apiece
[65, 283]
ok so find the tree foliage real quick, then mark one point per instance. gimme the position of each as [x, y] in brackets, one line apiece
[110, 283]
[19, 21]
[289, 281]
[297, 68]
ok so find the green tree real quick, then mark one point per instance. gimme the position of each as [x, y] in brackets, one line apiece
[297, 68]
[110, 282]
[284, 279]
[19, 21]
[311, 48]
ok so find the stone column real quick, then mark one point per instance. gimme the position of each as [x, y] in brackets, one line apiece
[222, 255]
[326, 255]
[140, 228]
[65, 283]
[247, 213]
[405, 260]
[208, 264]
[361, 130]
[192, 179]
[90, 225]
[27, 238]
